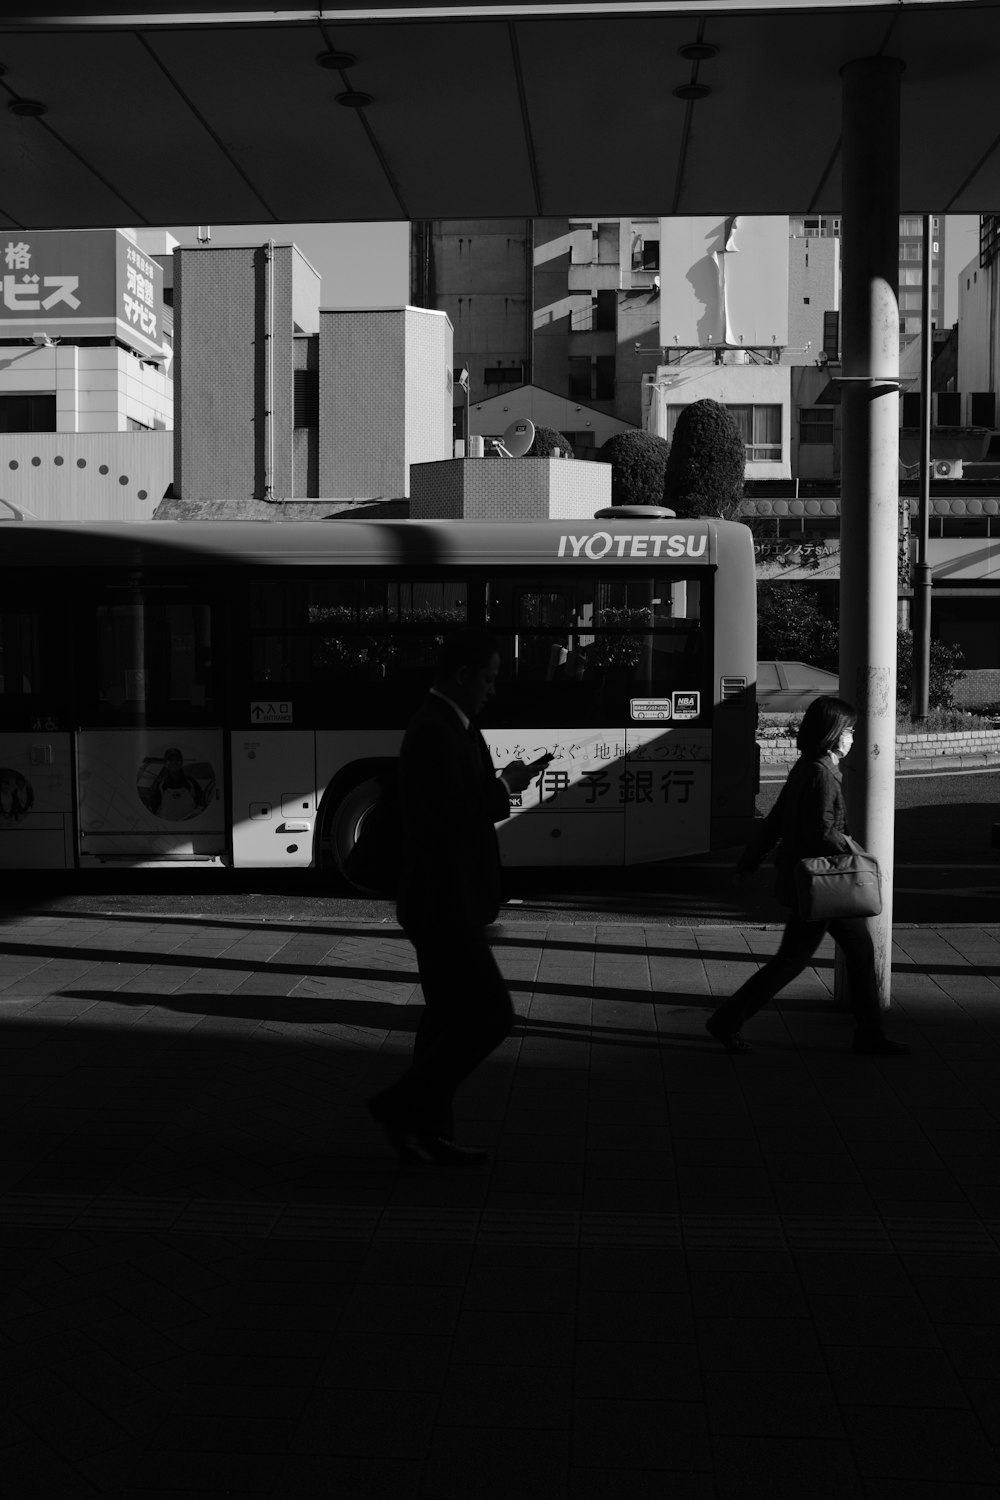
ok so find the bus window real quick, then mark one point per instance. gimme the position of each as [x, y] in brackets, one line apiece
[577, 650]
[32, 668]
[154, 658]
[20, 654]
[356, 636]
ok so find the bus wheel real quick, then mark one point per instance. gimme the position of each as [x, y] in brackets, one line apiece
[363, 837]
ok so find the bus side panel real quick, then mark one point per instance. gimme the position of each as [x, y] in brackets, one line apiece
[666, 782]
[151, 795]
[36, 801]
[339, 750]
[275, 798]
[572, 813]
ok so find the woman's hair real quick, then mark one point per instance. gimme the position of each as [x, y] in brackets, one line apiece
[823, 722]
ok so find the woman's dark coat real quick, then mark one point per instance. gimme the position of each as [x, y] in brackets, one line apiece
[809, 818]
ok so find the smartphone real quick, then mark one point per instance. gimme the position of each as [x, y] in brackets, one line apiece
[542, 761]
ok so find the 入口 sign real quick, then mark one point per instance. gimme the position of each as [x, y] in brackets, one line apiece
[271, 713]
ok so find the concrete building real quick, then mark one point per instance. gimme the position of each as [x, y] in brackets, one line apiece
[723, 332]
[979, 327]
[585, 310]
[282, 400]
[86, 388]
[557, 305]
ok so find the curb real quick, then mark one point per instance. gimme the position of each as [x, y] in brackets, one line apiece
[984, 760]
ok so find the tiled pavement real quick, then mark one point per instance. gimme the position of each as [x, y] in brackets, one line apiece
[685, 1276]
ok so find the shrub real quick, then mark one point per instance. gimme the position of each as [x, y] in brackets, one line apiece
[945, 671]
[940, 721]
[637, 461]
[704, 472]
[792, 627]
[547, 440]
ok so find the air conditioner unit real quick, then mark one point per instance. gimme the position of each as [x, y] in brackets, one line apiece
[946, 468]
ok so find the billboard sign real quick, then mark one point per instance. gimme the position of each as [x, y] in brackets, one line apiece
[724, 281]
[80, 284]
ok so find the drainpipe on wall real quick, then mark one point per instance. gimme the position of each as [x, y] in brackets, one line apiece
[269, 371]
[529, 301]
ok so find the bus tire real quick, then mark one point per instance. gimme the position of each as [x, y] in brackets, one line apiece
[361, 837]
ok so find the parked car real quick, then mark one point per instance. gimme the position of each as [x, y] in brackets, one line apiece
[788, 687]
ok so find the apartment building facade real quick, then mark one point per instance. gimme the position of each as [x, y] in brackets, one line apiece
[86, 387]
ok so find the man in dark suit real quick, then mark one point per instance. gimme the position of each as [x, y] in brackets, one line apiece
[449, 892]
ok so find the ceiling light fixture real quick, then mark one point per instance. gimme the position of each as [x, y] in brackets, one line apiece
[336, 60]
[692, 91]
[354, 99]
[697, 51]
[28, 107]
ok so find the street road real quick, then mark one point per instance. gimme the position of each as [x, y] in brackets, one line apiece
[946, 872]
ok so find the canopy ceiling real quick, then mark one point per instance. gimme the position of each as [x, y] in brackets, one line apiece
[482, 111]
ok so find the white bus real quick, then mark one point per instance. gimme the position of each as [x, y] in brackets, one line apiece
[234, 694]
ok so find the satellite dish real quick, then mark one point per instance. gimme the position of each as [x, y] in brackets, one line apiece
[517, 438]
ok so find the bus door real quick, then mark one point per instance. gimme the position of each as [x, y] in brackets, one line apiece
[150, 769]
[36, 783]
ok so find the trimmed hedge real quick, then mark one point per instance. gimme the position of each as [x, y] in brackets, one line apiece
[638, 460]
[704, 472]
[547, 440]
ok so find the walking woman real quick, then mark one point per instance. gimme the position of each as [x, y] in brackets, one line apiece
[808, 819]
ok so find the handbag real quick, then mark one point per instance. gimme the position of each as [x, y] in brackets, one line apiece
[838, 885]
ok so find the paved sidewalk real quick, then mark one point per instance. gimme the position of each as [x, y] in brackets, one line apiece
[685, 1276]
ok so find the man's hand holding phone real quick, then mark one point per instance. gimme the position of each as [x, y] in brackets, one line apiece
[519, 776]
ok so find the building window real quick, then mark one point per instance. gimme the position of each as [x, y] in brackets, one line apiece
[982, 408]
[911, 408]
[579, 377]
[831, 336]
[815, 424]
[989, 237]
[760, 427]
[645, 254]
[604, 378]
[503, 375]
[29, 413]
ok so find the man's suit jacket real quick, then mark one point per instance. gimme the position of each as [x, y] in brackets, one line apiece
[450, 799]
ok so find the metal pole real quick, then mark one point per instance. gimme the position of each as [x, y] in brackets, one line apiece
[870, 465]
[921, 645]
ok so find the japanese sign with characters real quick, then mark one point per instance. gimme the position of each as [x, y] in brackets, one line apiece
[648, 785]
[84, 283]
